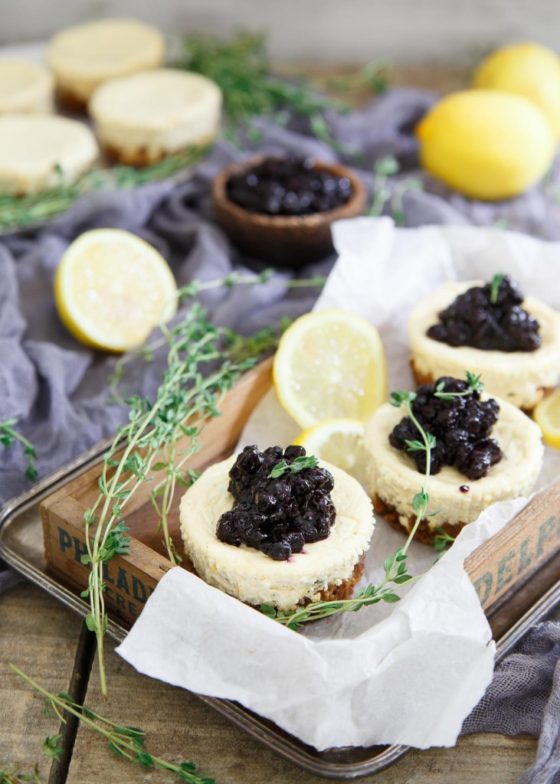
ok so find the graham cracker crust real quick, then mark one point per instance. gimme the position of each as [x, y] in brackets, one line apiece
[425, 378]
[424, 534]
[141, 156]
[346, 588]
[66, 99]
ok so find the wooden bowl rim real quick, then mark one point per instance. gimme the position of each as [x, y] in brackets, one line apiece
[313, 220]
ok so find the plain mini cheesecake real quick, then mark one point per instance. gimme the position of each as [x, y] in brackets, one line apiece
[38, 152]
[296, 537]
[25, 88]
[142, 118]
[85, 56]
[486, 450]
[514, 342]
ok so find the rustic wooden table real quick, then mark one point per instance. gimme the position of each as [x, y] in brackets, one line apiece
[48, 642]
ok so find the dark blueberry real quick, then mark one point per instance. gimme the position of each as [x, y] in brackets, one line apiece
[293, 451]
[276, 516]
[475, 319]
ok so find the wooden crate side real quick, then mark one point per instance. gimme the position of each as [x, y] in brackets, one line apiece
[518, 550]
[129, 579]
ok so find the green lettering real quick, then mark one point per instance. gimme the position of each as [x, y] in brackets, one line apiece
[505, 572]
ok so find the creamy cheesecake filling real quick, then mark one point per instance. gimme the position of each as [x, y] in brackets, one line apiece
[36, 151]
[157, 112]
[394, 479]
[518, 377]
[25, 88]
[254, 577]
[85, 56]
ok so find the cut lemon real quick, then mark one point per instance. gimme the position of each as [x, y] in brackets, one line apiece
[547, 417]
[330, 364]
[340, 442]
[112, 288]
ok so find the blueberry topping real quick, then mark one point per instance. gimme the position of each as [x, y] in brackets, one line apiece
[490, 318]
[460, 425]
[288, 186]
[277, 516]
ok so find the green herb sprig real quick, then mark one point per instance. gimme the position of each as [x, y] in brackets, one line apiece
[20, 212]
[295, 467]
[495, 285]
[9, 435]
[384, 168]
[474, 385]
[162, 435]
[442, 540]
[13, 777]
[242, 69]
[124, 741]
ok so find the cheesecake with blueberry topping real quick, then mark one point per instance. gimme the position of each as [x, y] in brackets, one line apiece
[511, 340]
[277, 528]
[485, 450]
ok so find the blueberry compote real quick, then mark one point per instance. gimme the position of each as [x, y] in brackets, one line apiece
[277, 516]
[461, 425]
[488, 317]
[288, 186]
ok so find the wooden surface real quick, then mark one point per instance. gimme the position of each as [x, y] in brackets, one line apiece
[45, 640]
[42, 638]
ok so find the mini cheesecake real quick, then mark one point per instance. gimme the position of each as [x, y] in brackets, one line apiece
[38, 152]
[515, 459]
[25, 88]
[520, 377]
[142, 118]
[321, 570]
[84, 57]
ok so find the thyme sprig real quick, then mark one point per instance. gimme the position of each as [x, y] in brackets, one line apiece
[474, 385]
[442, 540]
[297, 465]
[495, 284]
[384, 168]
[9, 435]
[124, 741]
[242, 69]
[162, 435]
[19, 212]
[13, 777]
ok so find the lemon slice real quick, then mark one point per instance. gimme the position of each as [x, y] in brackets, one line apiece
[330, 363]
[112, 289]
[340, 442]
[547, 417]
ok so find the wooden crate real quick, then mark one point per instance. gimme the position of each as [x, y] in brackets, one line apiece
[500, 565]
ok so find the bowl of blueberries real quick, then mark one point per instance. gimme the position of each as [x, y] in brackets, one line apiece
[279, 210]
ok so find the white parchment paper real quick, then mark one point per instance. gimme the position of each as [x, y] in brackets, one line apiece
[407, 673]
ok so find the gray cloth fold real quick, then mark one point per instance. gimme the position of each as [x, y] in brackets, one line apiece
[58, 389]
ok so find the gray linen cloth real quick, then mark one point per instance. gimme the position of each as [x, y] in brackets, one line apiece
[58, 389]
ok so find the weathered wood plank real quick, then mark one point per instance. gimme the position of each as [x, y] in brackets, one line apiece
[39, 636]
[180, 726]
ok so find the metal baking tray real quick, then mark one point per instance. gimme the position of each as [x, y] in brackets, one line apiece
[21, 546]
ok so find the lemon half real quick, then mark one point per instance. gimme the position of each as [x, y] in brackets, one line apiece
[330, 364]
[112, 288]
[340, 442]
[547, 417]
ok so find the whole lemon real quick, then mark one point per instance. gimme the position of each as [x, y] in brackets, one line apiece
[526, 69]
[486, 144]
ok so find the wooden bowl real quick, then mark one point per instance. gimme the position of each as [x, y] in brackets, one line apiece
[284, 240]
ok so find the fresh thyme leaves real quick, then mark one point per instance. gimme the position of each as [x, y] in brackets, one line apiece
[51, 747]
[375, 76]
[383, 169]
[242, 69]
[11, 777]
[395, 574]
[163, 434]
[124, 741]
[442, 540]
[297, 465]
[495, 284]
[473, 380]
[9, 435]
[19, 212]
